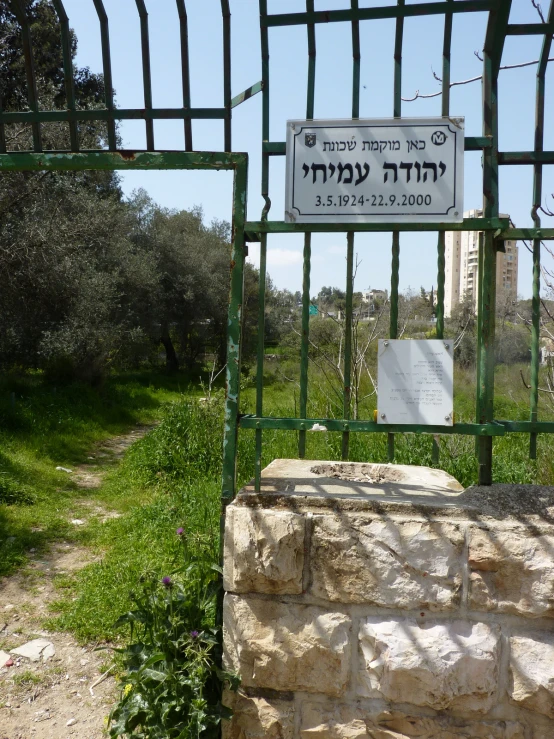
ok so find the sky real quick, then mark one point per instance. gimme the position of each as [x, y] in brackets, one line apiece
[422, 54]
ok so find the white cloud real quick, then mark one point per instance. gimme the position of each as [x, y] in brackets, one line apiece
[336, 249]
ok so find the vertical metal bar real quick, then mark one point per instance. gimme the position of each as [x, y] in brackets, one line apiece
[479, 305]
[445, 111]
[304, 342]
[234, 332]
[146, 76]
[263, 243]
[226, 13]
[264, 42]
[260, 360]
[32, 95]
[107, 68]
[347, 389]
[492, 55]
[67, 71]
[395, 266]
[185, 69]
[537, 200]
[486, 372]
[305, 338]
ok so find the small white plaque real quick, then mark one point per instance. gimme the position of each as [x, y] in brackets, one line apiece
[375, 171]
[415, 381]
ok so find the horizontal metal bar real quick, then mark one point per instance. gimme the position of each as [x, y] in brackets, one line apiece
[250, 92]
[471, 143]
[468, 224]
[278, 148]
[523, 234]
[334, 424]
[476, 143]
[103, 114]
[111, 160]
[362, 14]
[528, 29]
[526, 157]
[546, 427]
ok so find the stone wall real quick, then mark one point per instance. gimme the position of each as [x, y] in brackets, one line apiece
[389, 605]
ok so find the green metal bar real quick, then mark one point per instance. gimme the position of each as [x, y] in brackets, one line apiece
[445, 111]
[247, 94]
[479, 302]
[52, 161]
[48, 116]
[32, 95]
[275, 148]
[146, 76]
[347, 384]
[395, 266]
[226, 14]
[305, 340]
[525, 427]
[67, 69]
[492, 56]
[529, 29]
[356, 59]
[107, 67]
[347, 387]
[260, 360]
[525, 234]
[537, 201]
[264, 43]
[526, 157]
[311, 64]
[334, 424]
[468, 224]
[234, 331]
[339, 16]
[486, 370]
[305, 337]
[185, 70]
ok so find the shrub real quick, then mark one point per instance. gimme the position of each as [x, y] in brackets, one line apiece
[171, 687]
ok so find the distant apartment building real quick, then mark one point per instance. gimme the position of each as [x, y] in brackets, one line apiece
[462, 267]
[370, 296]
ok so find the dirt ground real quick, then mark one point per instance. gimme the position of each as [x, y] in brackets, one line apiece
[69, 695]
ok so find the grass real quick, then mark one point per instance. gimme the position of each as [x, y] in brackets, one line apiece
[43, 427]
[171, 479]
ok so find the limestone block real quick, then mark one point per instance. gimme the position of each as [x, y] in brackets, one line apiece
[355, 722]
[390, 563]
[511, 571]
[286, 646]
[440, 665]
[532, 673]
[264, 551]
[258, 718]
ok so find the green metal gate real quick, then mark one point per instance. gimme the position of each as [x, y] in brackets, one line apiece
[496, 230]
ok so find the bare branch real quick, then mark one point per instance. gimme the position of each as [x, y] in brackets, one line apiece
[418, 95]
[538, 8]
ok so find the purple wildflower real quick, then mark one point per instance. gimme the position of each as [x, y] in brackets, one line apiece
[167, 581]
[180, 531]
[195, 634]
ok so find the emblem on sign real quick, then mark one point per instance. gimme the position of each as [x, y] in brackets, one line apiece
[310, 140]
[438, 138]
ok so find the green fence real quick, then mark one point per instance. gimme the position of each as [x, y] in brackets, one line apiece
[496, 230]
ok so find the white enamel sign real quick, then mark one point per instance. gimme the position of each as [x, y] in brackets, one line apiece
[415, 381]
[407, 170]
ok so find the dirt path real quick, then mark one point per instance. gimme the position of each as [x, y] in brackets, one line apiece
[55, 697]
